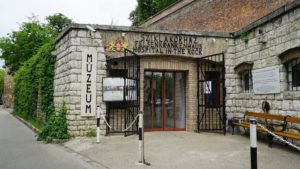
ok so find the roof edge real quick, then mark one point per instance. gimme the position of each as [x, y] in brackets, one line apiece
[155, 17]
[141, 30]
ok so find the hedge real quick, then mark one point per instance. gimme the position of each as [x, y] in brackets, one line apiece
[33, 87]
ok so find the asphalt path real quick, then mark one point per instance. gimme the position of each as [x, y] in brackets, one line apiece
[20, 150]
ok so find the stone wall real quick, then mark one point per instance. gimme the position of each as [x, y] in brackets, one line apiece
[68, 78]
[280, 34]
[7, 96]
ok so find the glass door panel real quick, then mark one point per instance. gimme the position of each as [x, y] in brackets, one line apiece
[164, 100]
[157, 99]
[147, 100]
[169, 100]
[180, 100]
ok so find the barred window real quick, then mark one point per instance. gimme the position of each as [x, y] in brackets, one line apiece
[244, 70]
[246, 81]
[291, 60]
[293, 73]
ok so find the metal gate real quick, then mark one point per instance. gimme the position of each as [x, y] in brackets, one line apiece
[121, 114]
[211, 94]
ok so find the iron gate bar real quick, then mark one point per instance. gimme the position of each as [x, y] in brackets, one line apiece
[211, 93]
[211, 62]
[122, 113]
[132, 64]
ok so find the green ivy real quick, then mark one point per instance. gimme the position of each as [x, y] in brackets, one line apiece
[46, 82]
[245, 36]
[27, 54]
[33, 81]
[35, 78]
[56, 127]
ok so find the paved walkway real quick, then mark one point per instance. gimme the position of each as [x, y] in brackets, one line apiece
[183, 150]
[20, 150]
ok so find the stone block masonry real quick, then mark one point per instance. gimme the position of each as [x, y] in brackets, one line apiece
[68, 78]
[109, 42]
[280, 34]
[7, 96]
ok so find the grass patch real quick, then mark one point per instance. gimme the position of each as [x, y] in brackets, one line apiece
[36, 124]
[91, 133]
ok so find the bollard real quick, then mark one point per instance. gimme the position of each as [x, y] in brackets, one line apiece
[253, 144]
[141, 138]
[98, 124]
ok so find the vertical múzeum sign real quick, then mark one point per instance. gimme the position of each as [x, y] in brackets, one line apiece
[88, 83]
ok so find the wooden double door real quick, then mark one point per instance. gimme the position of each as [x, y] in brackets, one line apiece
[164, 100]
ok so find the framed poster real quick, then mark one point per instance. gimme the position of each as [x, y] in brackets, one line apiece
[118, 89]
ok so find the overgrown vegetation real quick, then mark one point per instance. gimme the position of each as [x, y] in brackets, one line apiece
[146, 9]
[27, 54]
[2, 74]
[56, 127]
[244, 37]
[33, 78]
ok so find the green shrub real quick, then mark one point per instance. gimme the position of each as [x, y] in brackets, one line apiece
[56, 127]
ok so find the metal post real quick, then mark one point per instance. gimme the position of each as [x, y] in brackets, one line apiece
[98, 124]
[141, 138]
[253, 143]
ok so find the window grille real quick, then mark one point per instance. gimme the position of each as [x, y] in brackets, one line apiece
[246, 81]
[293, 73]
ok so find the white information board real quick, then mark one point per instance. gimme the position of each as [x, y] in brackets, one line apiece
[266, 80]
[113, 89]
[88, 83]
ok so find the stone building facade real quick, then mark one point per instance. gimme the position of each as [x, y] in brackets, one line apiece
[272, 41]
[268, 46]
[77, 39]
[68, 75]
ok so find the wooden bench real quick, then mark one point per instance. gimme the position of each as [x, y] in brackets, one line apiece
[287, 133]
[278, 124]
